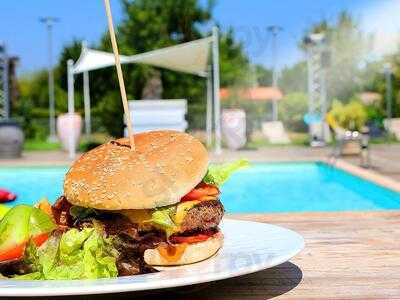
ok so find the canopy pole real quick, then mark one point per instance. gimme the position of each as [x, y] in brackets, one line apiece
[71, 108]
[86, 97]
[209, 107]
[5, 87]
[86, 100]
[217, 106]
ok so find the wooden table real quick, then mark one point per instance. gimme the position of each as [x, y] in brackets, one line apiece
[352, 255]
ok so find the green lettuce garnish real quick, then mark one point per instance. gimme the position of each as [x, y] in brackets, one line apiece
[218, 174]
[80, 213]
[3, 210]
[162, 217]
[84, 254]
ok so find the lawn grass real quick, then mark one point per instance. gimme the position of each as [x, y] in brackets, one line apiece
[384, 140]
[296, 138]
[38, 145]
[85, 144]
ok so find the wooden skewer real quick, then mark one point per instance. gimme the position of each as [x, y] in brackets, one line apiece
[119, 73]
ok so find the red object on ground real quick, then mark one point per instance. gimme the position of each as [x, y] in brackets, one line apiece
[6, 196]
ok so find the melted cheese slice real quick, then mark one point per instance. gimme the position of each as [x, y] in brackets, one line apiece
[142, 217]
[172, 253]
[182, 209]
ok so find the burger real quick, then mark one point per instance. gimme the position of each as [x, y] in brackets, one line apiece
[155, 206]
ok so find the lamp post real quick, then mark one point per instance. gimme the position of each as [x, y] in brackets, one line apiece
[317, 62]
[217, 105]
[274, 30]
[49, 22]
[387, 69]
[4, 88]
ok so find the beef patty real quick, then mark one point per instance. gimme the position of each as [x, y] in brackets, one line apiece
[203, 216]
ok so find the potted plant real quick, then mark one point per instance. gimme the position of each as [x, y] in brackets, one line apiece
[233, 122]
[69, 127]
[11, 139]
[351, 117]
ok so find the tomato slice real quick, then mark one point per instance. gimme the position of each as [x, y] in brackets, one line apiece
[18, 251]
[21, 224]
[14, 253]
[40, 239]
[200, 191]
[190, 239]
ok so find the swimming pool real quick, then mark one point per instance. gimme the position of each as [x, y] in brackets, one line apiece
[272, 187]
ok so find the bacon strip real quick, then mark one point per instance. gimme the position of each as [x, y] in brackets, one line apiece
[201, 192]
[61, 214]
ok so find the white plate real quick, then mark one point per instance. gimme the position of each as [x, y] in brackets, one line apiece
[248, 247]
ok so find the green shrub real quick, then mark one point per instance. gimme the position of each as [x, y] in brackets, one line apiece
[196, 116]
[292, 109]
[110, 111]
[352, 115]
[375, 114]
[89, 143]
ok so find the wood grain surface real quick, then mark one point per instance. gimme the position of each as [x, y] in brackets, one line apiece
[351, 255]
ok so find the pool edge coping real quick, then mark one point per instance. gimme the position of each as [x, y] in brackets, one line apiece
[366, 174]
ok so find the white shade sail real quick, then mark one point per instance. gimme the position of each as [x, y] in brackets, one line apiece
[191, 57]
[91, 59]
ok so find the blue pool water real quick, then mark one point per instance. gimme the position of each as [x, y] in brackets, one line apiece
[276, 187]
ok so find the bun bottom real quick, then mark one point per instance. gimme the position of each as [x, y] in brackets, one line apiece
[193, 253]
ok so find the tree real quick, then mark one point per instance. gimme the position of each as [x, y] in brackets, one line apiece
[348, 47]
[292, 109]
[264, 75]
[294, 79]
[234, 64]
[146, 25]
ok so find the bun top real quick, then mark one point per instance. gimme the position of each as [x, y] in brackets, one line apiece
[164, 167]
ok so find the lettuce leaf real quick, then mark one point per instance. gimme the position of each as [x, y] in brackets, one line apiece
[3, 210]
[84, 254]
[79, 212]
[162, 217]
[218, 174]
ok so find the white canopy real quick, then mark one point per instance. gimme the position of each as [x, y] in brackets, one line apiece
[91, 59]
[191, 57]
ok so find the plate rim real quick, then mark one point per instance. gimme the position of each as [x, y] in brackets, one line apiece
[122, 287]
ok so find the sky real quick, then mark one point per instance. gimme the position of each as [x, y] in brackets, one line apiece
[26, 37]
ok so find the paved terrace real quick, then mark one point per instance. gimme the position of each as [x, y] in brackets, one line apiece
[348, 255]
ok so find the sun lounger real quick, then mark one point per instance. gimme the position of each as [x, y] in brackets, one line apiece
[158, 114]
[393, 126]
[275, 132]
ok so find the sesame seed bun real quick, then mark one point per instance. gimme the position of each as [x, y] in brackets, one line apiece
[193, 253]
[164, 167]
